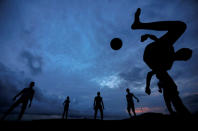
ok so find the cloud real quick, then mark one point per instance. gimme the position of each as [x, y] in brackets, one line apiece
[141, 110]
[192, 101]
[34, 63]
[112, 81]
[135, 77]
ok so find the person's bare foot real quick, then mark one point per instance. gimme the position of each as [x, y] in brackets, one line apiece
[136, 19]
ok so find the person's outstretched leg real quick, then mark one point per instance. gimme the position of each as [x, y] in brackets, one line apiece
[10, 109]
[175, 28]
[22, 110]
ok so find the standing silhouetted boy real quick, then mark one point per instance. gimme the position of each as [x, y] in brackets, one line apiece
[98, 104]
[130, 103]
[26, 95]
[66, 107]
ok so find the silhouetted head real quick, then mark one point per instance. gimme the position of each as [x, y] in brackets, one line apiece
[127, 90]
[67, 97]
[98, 93]
[32, 84]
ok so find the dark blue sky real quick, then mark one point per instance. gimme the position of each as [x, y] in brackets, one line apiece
[64, 47]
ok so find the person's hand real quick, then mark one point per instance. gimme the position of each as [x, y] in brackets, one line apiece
[148, 91]
[138, 100]
[29, 105]
[144, 37]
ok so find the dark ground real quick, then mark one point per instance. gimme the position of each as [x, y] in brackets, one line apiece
[148, 121]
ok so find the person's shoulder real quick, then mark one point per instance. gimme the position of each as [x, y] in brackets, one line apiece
[24, 89]
[32, 90]
[132, 94]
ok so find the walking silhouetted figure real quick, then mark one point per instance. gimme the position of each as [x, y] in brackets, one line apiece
[66, 107]
[98, 105]
[160, 55]
[26, 94]
[130, 102]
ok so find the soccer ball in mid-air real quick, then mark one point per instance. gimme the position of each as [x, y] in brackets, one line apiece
[116, 43]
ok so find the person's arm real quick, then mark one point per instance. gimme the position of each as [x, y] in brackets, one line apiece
[152, 37]
[102, 104]
[31, 99]
[18, 95]
[94, 103]
[136, 98]
[148, 80]
[146, 36]
[64, 102]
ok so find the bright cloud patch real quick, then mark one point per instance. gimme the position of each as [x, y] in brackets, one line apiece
[140, 110]
[112, 81]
